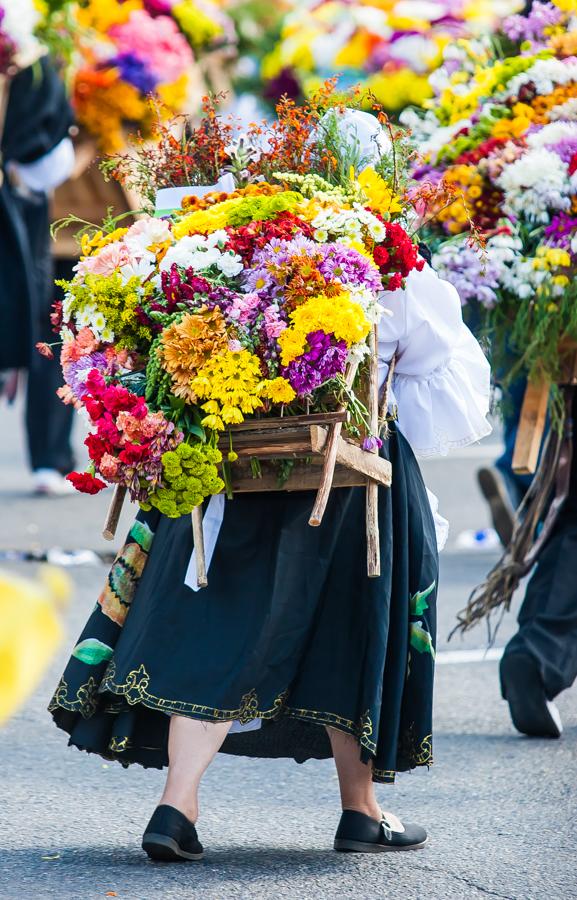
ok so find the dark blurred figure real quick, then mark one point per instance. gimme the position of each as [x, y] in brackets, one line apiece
[37, 155]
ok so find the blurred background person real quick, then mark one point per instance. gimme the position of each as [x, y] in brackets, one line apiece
[37, 155]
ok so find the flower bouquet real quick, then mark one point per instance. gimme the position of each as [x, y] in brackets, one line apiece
[242, 325]
[126, 51]
[501, 137]
[391, 47]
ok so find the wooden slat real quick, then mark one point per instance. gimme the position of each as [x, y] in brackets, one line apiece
[304, 477]
[289, 422]
[351, 456]
[531, 428]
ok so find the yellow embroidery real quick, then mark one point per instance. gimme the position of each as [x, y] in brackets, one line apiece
[84, 702]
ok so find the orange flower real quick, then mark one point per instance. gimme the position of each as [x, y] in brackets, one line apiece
[188, 344]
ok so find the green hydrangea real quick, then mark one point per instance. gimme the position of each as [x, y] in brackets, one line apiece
[189, 476]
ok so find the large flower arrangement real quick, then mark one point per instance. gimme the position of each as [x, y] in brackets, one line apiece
[250, 302]
[127, 51]
[390, 46]
[501, 138]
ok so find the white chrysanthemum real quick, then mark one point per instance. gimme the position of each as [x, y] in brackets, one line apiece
[566, 111]
[230, 264]
[534, 184]
[551, 134]
[545, 74]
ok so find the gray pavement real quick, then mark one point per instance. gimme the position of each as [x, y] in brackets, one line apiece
[501, 809]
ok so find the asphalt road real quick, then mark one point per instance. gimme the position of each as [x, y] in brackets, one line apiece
[501, 809]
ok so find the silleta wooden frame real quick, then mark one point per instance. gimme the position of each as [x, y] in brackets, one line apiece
[324, 459]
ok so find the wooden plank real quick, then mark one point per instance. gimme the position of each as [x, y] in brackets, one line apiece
[304, 477]
[372, 510]
[531, 427]
[353, 457]
[289, 422]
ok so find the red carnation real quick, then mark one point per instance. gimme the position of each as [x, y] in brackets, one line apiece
[133, 453]
[86, 483]
[94, 408]
[97, 447]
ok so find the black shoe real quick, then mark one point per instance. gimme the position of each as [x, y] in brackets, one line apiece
[362, 834]
[495, 493]
[522, 688]
[171, 837]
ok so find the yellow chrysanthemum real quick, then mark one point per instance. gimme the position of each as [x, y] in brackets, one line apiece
[279, 391]
[377, 191]
[231, 383]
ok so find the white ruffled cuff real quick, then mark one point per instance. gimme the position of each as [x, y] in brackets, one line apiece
[447, 408]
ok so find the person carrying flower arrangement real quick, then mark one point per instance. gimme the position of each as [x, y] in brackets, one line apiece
[259, 299]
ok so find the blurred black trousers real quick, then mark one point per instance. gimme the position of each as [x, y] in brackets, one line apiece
[548, 617]
[48, 420]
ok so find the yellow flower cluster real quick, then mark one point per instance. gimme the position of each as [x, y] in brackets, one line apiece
[339, 315]
[377, 192]
[236, 212]
[456, 215]
[234, 383]
[92, 245]
[549, 258]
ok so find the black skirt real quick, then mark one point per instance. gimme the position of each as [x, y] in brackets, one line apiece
[290, 631]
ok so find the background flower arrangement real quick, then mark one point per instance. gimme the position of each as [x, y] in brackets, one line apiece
[20, 21]
[390, 46]
[500, 138]
[123, 53]
[251, 302]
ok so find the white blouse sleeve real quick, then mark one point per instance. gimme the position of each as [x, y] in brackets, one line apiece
[442, 379]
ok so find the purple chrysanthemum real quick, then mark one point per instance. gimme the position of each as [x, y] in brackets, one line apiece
[76, 371]
[135, 72]
[324, 358]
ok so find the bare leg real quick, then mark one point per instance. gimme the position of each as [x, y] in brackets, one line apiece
[192, 745]
[355, 777]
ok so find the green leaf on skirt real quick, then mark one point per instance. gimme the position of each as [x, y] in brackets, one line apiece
[421, 640]
[92, 652]
[419, 600]
[142, 534]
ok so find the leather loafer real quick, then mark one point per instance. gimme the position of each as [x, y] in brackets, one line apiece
[171, 837]
[358, 833]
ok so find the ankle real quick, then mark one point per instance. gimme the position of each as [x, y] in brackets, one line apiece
[186, 807]
[367, 808]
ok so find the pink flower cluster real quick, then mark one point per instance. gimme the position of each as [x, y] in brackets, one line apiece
[129, 441]
[156, 41]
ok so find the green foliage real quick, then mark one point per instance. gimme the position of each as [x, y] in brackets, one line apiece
[189, 475]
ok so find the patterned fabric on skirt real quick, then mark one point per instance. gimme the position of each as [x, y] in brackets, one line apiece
[290, 631]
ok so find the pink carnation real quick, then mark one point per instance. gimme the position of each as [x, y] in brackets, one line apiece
[107, 261]
[273, 325]
[83, 344]
[157, 42]
[108, 466]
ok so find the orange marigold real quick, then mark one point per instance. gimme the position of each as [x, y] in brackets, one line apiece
[188, 344]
